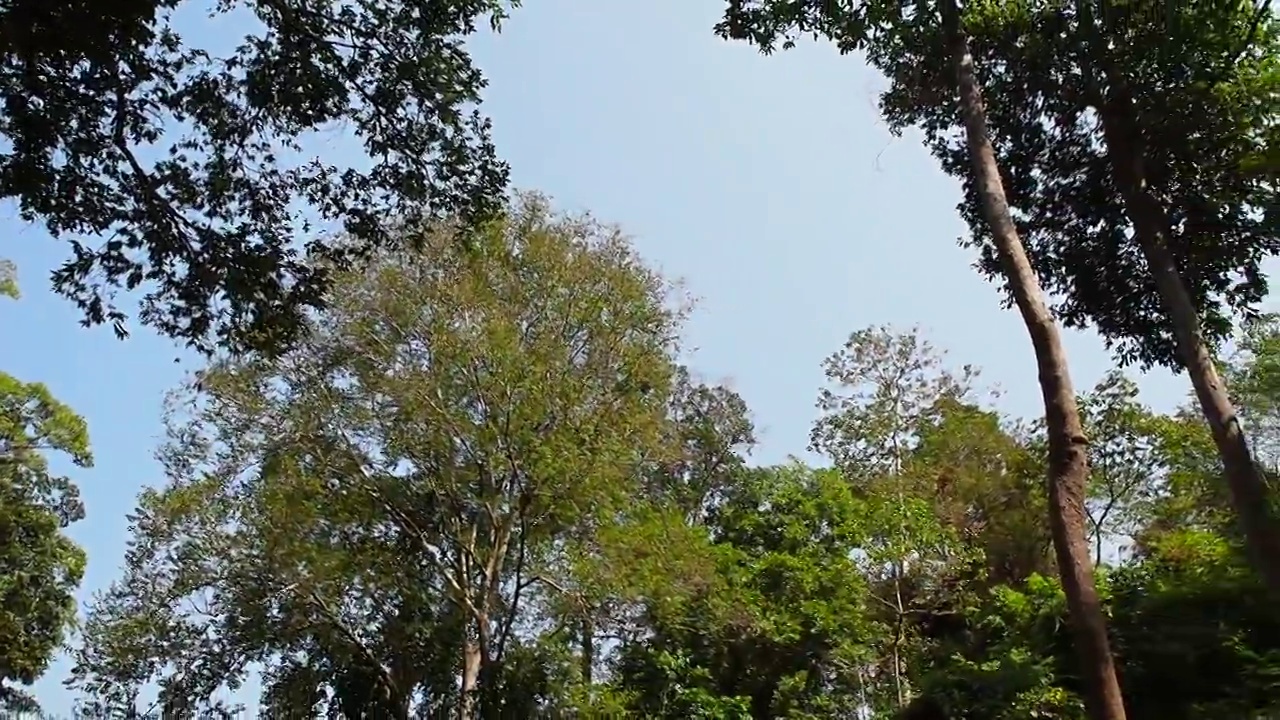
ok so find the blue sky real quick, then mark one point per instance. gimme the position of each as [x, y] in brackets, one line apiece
[768, 185]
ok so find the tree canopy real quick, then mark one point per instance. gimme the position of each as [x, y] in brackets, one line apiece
[1212, 168]
[657, 575]
[40, 567]
[179, 169]
[447, 454]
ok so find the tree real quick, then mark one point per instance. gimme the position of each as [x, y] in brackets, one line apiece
[392, 507]
[1124, 449]
[883, 389]
[1253, 373]
[985, 481]
[1192, 622]
[836, 588]
[1151, 225]
[710, 433]
[8, 279]
[40, 567]
[701, 463]
[1134, 167]
[786, 629]
[174, 168]
[889, 33]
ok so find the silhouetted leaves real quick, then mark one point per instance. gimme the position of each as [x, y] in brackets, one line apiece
[175, 168]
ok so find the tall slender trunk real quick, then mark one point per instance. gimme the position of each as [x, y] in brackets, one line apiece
[899, 683]
[588, 639]
[900, 565]
[1248, 484]
[1068, 459]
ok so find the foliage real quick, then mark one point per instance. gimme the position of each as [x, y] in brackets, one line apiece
[40, 567]
[185, 158]
[1124, 458]
[882, 385]
[998, 667]
[8, 279]
[1206, 165]
[444, 459]
[783, 634]
[1253, 373]
[1210, 166]
[657, 575]
[376, 508]
[1192, 616]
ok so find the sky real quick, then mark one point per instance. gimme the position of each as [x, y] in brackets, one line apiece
[768, 185]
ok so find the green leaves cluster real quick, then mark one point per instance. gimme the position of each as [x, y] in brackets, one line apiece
[40, 567]
[447, 459]
[1042, 67]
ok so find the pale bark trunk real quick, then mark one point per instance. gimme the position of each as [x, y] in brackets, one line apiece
[470, 679]
[475, 663]
[1248, 484]
[1068, 459]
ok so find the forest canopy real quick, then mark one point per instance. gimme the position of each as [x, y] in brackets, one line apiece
[448, 452]
[484, 481]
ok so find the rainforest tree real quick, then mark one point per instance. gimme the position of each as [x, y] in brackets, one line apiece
[889, 33]
[1150, 225]
[455, 449]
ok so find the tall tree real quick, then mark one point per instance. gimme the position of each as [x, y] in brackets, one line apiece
[1151, 225]
[1154, 220]
[384, 508]
[40, 567]
[888, 32]
[883, 387]
[700, 463]
[986, 483]
[173, 167]
[785, 629]
[1124, 450]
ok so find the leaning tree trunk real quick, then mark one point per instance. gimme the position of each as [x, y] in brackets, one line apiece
[1068, 459]
[1248, 485]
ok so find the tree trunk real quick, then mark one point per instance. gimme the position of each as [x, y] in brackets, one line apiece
[588, 659]
[475, 654]
[1068, 459]
[470, 678]
[1248, 484]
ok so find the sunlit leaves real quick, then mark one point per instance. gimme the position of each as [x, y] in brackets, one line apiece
[429, 471]
[40, 567]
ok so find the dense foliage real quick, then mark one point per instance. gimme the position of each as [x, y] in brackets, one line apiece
[176, 168]
[483, 482]
[40, 567]
[449, 461]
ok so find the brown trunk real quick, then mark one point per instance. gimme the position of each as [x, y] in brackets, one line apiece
[588, 649]
[1249, 492]
[1068, 460]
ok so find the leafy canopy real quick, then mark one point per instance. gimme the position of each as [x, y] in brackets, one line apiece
[40, 567]
[175, 168]
[426, 472]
